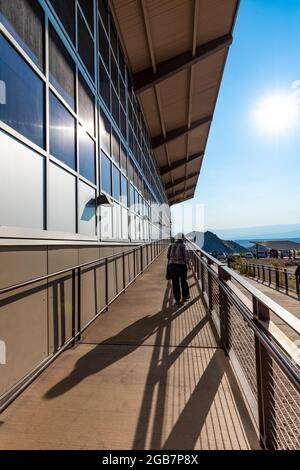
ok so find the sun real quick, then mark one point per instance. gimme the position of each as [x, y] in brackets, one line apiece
[276, 113]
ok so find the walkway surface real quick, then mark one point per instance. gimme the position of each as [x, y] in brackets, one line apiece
[147, 375]
[289, 302]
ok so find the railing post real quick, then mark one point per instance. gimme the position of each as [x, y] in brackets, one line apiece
[270, 276]
[142, 264]
[258, 272]
[124, 281]
[106, 283]
[286, 281]
[198, 265]
[79, 304]
[201, 273]
[264, 274]
[210, 299]
[265, 383]
[277, 278]
[73, 306]
[224, 310]
[134, 264]
[254, 270]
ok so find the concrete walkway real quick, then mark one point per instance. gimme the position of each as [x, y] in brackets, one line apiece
[147, 375]
[289, 302]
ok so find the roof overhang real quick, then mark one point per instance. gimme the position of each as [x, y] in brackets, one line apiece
[177, 50]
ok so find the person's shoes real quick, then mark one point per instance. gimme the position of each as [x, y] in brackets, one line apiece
[185, 299]
[178, 303]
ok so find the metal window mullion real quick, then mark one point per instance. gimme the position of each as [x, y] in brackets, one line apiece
[47, 126]
[77, 148]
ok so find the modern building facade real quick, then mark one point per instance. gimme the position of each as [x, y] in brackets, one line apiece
[73, 129]
[105, 111]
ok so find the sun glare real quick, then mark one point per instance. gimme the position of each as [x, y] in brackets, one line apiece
[276, 113]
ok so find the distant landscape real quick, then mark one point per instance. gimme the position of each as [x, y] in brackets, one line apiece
[210, 242]
[269, 232]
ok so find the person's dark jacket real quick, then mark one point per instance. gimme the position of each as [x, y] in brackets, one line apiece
[297, 272]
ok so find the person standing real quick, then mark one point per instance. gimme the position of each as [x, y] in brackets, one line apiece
[297, 274]
[178, 267]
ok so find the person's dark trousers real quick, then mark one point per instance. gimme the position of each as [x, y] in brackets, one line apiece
[179, 282]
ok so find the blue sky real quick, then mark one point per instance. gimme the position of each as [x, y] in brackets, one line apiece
[250, 178]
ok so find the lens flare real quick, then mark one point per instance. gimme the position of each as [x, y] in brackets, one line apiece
[277, 113]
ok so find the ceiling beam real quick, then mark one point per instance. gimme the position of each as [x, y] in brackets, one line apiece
[148, 78]
[182, 199]
[180, 131]
[166, 169]
[180, 180]
[181, 191]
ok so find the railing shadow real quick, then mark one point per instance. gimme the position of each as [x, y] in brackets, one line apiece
[190, 419]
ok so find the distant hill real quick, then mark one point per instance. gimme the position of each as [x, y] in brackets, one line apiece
[210, 242]
[283, 231]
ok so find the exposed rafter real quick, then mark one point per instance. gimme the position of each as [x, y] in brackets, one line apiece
[165, 169]
[180, 180]
[180, 131]
[147, 78]
[181, 191]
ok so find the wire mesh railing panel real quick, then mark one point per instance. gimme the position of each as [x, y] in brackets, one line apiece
[215, 296]
[242, 342]
[205, 280]
[283, 409]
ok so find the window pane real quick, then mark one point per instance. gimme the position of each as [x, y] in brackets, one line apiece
[124, 197]
[105, 173]
[114, 73]
[85, 45]
[86, 105]
[87, 209]
[123, 124]
[25, 19]
[124, 224]
[116, 210]
[24, 95]
[61, 68]
[103, 45]
[87, 7]
[62, 132]
[132, 226]
[115, 150]
[86, 156]
[116, 183]
[114, 38]
[106, 222]
[103, 10]
[131, 201]
[115, 106]
[123, 158]
[66, 13]
[62, 196]
[105, 133]
[21, 198]
[104, 85]
[122, 93]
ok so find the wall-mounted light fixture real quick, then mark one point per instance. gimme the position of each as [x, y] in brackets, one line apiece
[104, 200]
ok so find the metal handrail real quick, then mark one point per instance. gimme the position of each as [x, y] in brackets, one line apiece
[254, 356]
[5, 290]
[157, 247]
[277, 309]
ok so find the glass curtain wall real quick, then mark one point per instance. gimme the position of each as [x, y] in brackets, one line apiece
[82, 119]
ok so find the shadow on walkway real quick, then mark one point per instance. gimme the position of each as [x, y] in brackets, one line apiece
[190, 419]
